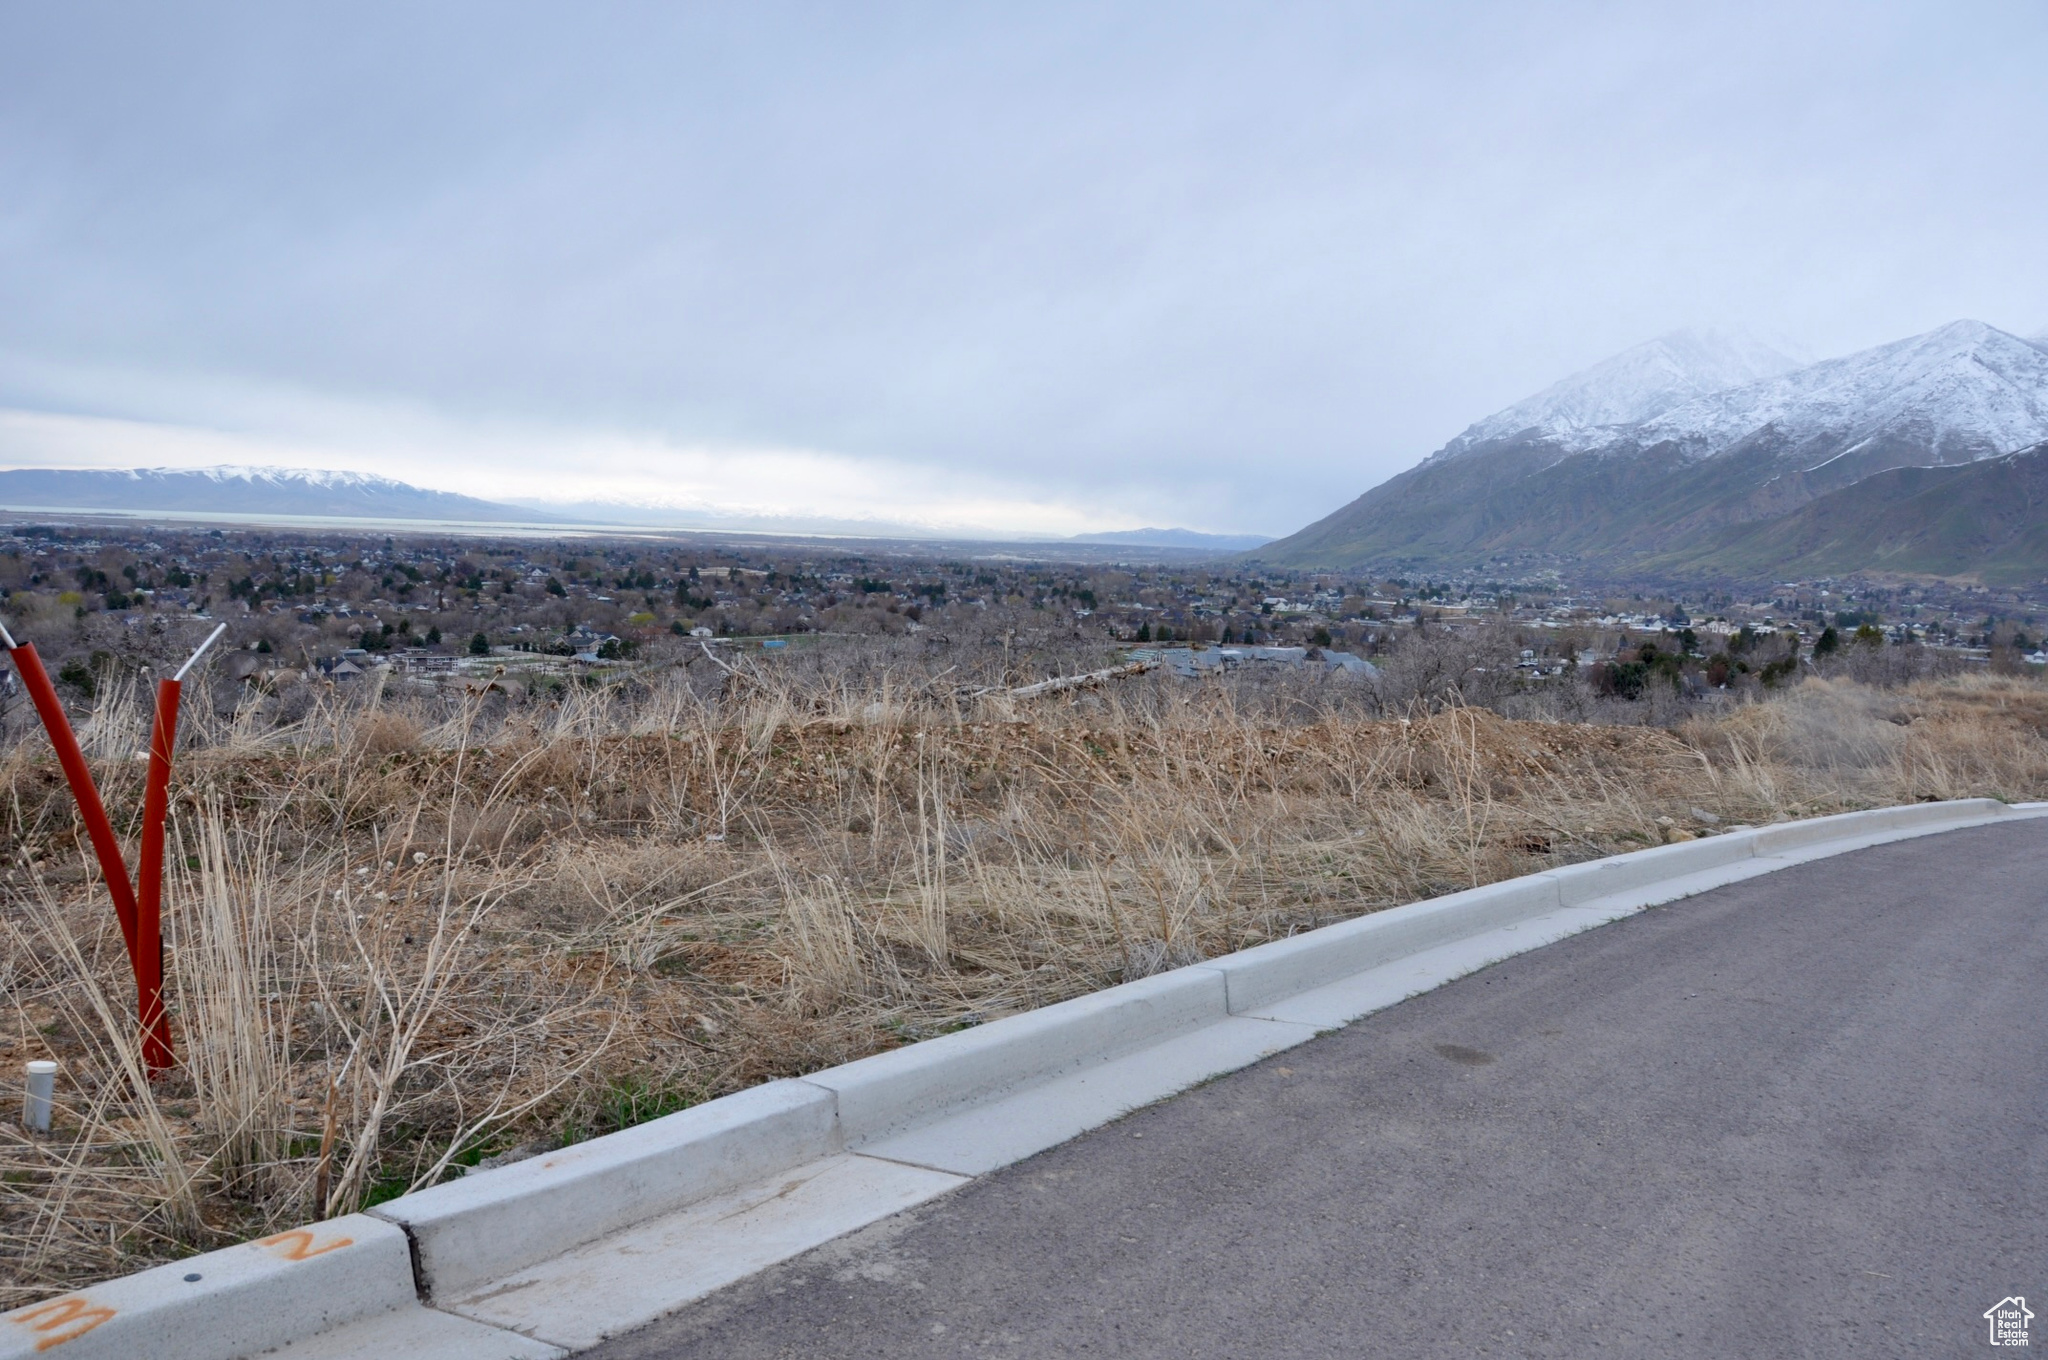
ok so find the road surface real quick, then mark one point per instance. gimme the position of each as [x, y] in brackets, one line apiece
[1805, 1115]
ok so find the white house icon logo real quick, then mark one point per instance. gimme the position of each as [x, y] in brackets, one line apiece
[2008, 1319]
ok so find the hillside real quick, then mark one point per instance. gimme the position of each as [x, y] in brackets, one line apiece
[1685, 484]
[1987, 519]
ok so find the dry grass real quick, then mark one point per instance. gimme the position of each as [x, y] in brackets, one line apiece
[406, 937]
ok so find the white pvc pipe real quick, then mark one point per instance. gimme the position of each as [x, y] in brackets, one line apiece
[193, 660]
[42, 1095]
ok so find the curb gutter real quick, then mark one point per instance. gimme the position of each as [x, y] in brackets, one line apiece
[555, 1253]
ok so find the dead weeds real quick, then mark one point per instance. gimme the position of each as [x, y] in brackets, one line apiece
[405, 939]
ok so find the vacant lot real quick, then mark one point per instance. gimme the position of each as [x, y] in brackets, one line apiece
[409, 935]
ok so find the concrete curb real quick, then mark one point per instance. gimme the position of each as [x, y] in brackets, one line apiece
[1267, 973]
[485, 1226]
[243, 1299]
[923, 1082]
[556, 1252]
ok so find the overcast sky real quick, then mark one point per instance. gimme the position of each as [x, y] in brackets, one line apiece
[1026, 267]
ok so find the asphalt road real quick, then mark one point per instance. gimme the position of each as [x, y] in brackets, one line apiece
[1805, 1115]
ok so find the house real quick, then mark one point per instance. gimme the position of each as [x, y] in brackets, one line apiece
[1349, 663]
[418, 661]
[1280, 656]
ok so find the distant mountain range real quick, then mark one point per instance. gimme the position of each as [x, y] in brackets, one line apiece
[310, 493]
[292, 492]
[1707, 454]
[1175, 538]
[712, 520]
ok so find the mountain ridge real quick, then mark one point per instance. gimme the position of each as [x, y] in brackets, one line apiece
[1670, 488]
[1637, 384]
[326, 493]
[247, 490]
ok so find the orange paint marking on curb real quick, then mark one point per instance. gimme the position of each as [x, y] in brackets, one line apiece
[76, 1312]
[297, 1245]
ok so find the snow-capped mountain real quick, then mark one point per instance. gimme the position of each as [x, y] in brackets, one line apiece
[1633, 386]
[228, 490]
[1953, 395]
[1549, 478]
[326, 479]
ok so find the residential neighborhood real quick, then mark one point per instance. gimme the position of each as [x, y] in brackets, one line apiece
[422, 611]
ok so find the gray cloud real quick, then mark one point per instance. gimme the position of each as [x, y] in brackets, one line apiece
[1226, 266]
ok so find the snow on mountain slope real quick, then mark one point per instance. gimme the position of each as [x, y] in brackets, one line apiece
[226, 472]
[244, 490]
[1539, 479]
[1633, 386]
[325, 479]
[1964, 391]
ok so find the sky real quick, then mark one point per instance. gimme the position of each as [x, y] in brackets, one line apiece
[1020, 269]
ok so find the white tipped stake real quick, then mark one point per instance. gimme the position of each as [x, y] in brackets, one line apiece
[193, 660]
[7, 637]
[41, 1096]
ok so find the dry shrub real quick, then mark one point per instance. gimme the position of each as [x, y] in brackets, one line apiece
[1834, 743]
[386, 731]
[407, 933]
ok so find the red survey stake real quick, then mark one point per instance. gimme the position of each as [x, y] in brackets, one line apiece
[141, 916]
